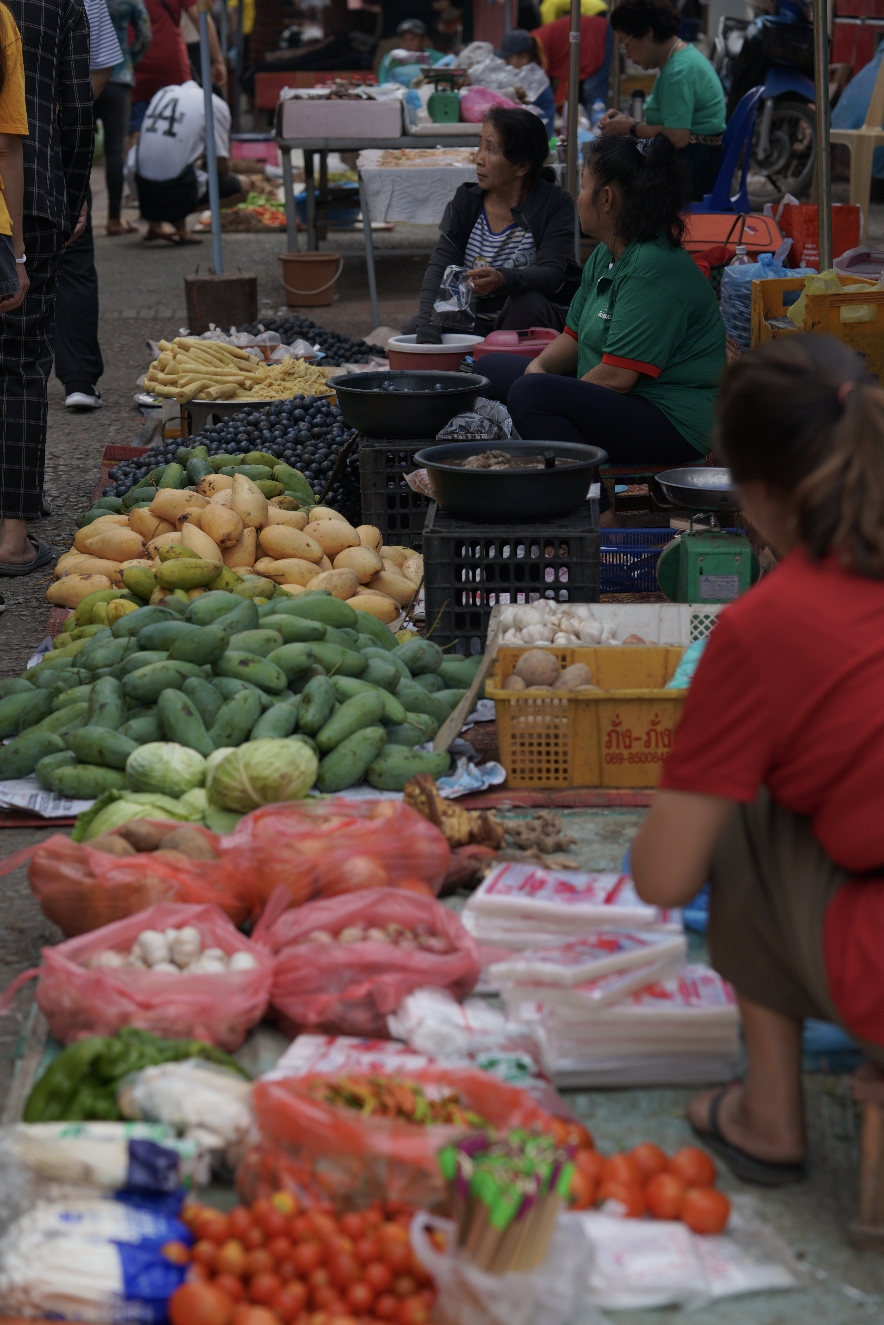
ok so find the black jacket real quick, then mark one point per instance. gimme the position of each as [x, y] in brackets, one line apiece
[548, 212]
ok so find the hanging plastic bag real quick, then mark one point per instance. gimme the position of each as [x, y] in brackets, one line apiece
[800, 222]
[349, 987]
[476, 102]
[78, 1000]
[454, 308]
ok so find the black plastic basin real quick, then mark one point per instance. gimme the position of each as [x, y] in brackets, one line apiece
[416, 411]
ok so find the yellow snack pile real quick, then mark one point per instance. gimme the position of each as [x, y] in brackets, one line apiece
[191, 369]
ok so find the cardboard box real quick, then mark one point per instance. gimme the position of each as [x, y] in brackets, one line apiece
[315, 118]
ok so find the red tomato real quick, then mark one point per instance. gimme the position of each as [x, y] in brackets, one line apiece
[693, 1166]
[231, 1258]
[386, 1306]
[373, 1218]
[248, 1314]
[260, 1208]
[623, 1168]
[258, 1262]
[324, 1226]
[368, 1250]
[176, 1252]
[353, 1225]
[264, 1287]
[290, 1302]
[581, 1191]
[569, 1133]
[342, 1318]
[274, 1224]
[412, 1311]
[393, 1232]
[344, 1269]
[359, 1298]
[198, 1274]
[398, 1256]
[204, 1253]
[319, 1318]
[705, 1209]
[192, 1211]
[628, 1195]
[591, 1163]
[378, 1276]
[650, 1158]
[319, 1278]
[337, 1243]
[286, 1270]
[231, 1285]
[239, 1221]
[327, 1299]
[307, 1256]
[215, 1229]
[664, 1195]
[199, 1304]
[301, 1229]
[285, 1203]
[253, 1237]
[280, 1248]
[404, 1285]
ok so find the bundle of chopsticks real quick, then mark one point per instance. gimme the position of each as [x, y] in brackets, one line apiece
[505, 1194]
[189, 368]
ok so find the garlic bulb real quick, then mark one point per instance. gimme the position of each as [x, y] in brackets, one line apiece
[512, 637]
[537, 634]
[152, 947]
[243, 961]
[565, 640]
[526, 617]
[583, 610]
[186, 946]
[507, 617]
[107, 958]
[590, 632]
[167, 968]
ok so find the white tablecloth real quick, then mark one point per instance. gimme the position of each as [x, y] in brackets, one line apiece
[414, 192]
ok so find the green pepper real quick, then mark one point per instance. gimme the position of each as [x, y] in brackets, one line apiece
[51, 1097]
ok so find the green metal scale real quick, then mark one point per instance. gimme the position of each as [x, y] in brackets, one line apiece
[706, 564]
[444, 103]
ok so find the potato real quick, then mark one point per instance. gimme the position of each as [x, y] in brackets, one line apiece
[242, 553]
[222, 524]
[513, 683]
[361, 559]
[377, 605]
[72, 589]
[147, 525]
[144, 836]
[104, 522]
[340, 583]
[573, 677]
[413, 569]
[169, 503]
[537, 667]
[199, 542]
[223, 498]
[287, 570]
[118, 544]
[191, 842]
[333, 535]
[370, 536]
[399, 555]
[162, 540]
[280, 540]
[248, 501]
[318, 513]
[112, 844]
[394, 586]
[212, 483]
[279, 515]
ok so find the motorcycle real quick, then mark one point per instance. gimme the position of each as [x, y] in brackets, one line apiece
[776, 52]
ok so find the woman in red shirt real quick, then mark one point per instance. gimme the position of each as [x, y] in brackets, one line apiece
[773, 788]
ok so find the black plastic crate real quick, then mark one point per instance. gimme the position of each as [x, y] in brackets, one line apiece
[469, 569]
[387, 500]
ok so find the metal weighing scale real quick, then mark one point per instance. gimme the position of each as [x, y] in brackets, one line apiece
[443, 106]
[706, 564]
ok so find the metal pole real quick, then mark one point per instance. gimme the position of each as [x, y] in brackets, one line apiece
[238, 72]
[369, 252]
[823, 158]
[615, 69]
[211, 154]
[572, 159]
[291, 215]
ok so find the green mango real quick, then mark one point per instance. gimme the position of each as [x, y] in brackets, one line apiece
[19, 757]
[349, 761]
[397, 765]
[99, 745]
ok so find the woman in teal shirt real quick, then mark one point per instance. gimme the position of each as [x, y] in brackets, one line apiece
[687, 103]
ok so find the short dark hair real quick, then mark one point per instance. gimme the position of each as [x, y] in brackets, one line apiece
[522, 136]
[636, 18]
[651, 178]
[780, 421]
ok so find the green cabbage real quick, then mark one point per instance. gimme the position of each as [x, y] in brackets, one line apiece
[165, 766]
[116, 808]
[261, 773]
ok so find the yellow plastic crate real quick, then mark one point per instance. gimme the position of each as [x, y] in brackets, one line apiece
[823, 316]
[617, 736]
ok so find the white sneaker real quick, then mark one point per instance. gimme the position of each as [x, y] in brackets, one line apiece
[81, 400]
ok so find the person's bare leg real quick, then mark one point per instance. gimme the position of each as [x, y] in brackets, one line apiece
[765, 1114]
[15, 549]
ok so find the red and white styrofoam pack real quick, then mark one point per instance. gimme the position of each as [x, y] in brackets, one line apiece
[590, 956]
[338, 1055]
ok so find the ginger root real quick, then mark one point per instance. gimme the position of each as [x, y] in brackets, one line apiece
[460, 827]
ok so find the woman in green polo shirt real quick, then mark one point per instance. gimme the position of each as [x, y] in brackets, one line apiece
[637, 367]
[687, 103]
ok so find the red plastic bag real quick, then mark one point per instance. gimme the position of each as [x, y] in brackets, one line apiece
[800, 222]
[322, 848]
[477, 101]
[221, 1009]
[326, 1151]
[80, 888]
[348, 989]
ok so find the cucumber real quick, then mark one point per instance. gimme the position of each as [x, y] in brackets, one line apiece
[247, 667]
[22, 755]
[365, 710]
[345, 662]
[243, 617]
[383, 635]
[294, 630]
[99, 745]
[327, 611]
[236, 718]
[181, 721]
[15, 686]
[100, 653]
[163, 634]
[280, 720]
[201, 645]
[415, 700]
[45, 766]
[420, 656]
[346, 687]
[206, 609]
[390, 660]
[147, 684]
[293, 659]
[64, 721]
[204, 697]
[76, 695]
[38, 707]
[107, 704]
[260, 458]
[429, 681]
[132, 622]
[197, 469]
[306, 740]
[90, 516]
[114, 504]
[143, 658]
[173, 477]
[317, 703]
[397, 765]
[260, 642]
[85, 782]
[348, 762]
[144, 728]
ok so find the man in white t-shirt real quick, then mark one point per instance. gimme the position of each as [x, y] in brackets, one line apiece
[171, 141]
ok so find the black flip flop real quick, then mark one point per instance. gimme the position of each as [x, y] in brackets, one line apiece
[45, 555]
[761, 1172]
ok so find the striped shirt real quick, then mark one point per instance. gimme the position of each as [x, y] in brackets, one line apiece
[511, 247]
[104, 45]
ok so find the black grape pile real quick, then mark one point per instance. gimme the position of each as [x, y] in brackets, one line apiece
[305, 432]
[338, 349]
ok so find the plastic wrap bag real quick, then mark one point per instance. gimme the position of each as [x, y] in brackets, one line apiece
[80, 888]
[489, 421]
[455, 304]
[548, 1295]
[335, 846]
[476, 102]
[78, 1001]
[350, 988]
[204, 1100]
[325, 1151]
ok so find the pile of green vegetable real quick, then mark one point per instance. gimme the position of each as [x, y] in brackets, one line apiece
[232, 703]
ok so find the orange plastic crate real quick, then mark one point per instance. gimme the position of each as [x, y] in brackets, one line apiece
[616, 736]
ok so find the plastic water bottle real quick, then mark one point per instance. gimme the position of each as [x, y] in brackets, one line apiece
[597, 110]
[742, 258]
